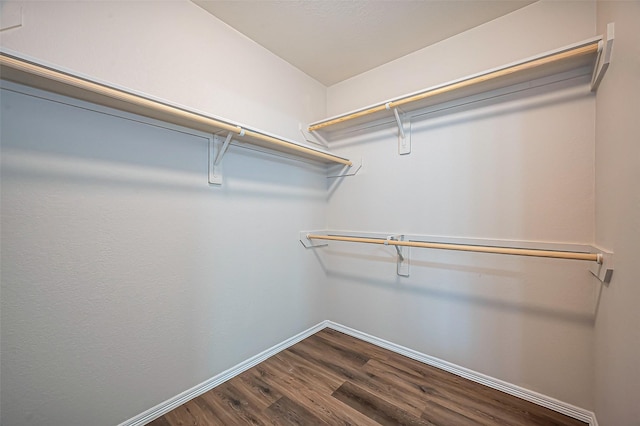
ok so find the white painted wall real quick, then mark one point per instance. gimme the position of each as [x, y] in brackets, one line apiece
[520, 167]
[126, 278]
[617, 332]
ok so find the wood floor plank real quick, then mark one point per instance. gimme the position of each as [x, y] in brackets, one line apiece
[329, 361]
[440, 415]
[316, 397]
[483, 404]
[160, 421]
[240, 406]
[181, 416]
[309, 371]
[389, 390]
[297, 374]
[335, 379]
[367, 349]
[449, 391]
[378, 384]
[349, 354]
[287, 412]
[375, 408]
[209, 416]
[386, 384]
[200, 413]
[251, 382]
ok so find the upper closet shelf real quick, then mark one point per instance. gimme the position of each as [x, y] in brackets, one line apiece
[591, 56]
[29, 72]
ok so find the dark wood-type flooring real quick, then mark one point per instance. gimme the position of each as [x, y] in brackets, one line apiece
[331, 378]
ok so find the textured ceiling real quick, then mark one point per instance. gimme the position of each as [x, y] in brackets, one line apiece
[332, 40]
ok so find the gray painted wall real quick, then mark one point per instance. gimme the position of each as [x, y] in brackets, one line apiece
[126, 278]
[617, 331]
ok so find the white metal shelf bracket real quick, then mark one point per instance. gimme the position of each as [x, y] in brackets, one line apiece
[217, 149]
[402, 267]
[314, 137]
[605, 49]
[404, 132]
[345, 172]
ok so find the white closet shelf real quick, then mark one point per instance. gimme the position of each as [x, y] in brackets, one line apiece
[32, 73]
[589, 57]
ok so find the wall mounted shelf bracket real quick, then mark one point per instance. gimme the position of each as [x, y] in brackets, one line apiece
[402, 267]
[217, 149]
[603, 270]
[605, 49]
[314, 137]
[404, 131]
[347, 171]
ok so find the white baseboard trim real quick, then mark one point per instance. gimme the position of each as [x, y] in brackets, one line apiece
[511, 389]
[207, 385]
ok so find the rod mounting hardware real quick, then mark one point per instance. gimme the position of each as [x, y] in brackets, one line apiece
[310, 243]
[603, 269]
[314, 137]
[345, 172]
[402, 267]
[395, 238]
[404, 131]
[217, 150]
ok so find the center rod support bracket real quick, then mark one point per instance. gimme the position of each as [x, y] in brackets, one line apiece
[217, 149]
[404, 131]
[402, 267]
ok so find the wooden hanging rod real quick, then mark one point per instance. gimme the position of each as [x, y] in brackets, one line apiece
[593, 257]
[586, 48]
[35, 75]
